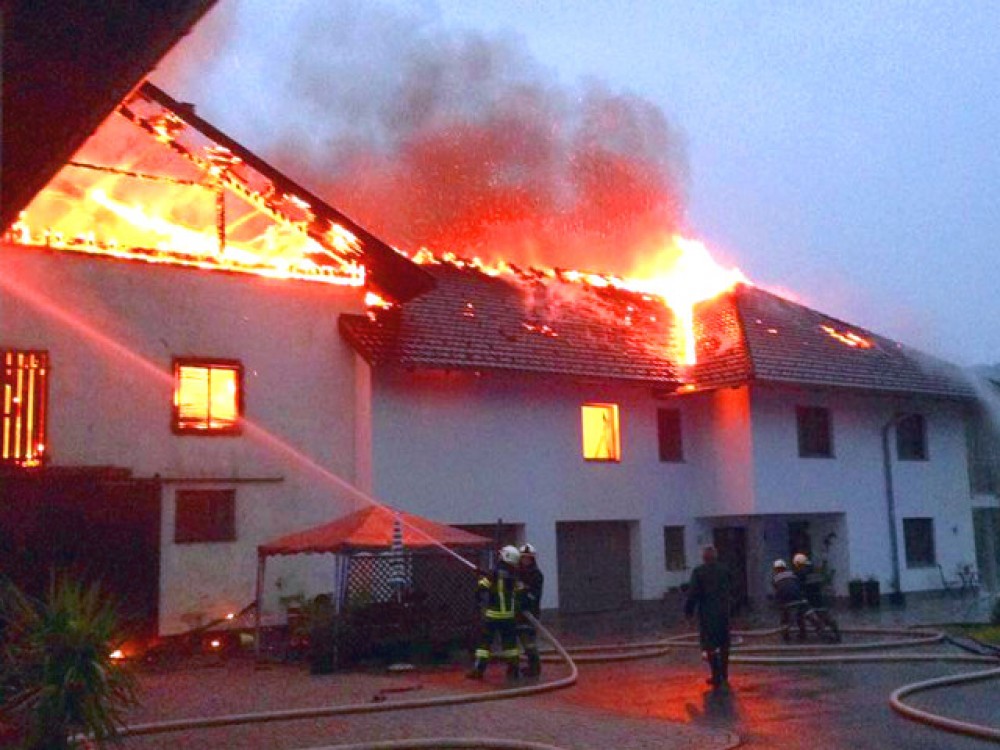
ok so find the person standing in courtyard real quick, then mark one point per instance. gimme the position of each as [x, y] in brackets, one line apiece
[709, 594]
[532, 581]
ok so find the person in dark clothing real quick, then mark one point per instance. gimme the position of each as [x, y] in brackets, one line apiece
[532, 581]
[709, 593]
[813, 585]
[788, 597]
[498, 598]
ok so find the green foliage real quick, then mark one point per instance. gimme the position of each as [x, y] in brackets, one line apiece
[56, 671]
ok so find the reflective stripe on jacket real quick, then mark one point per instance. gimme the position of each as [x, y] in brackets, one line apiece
[499, 594]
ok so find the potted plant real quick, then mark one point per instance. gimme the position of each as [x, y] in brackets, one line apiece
[58, 677]
[856, 592]
[872, 587]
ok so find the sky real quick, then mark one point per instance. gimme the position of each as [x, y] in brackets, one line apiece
[846, 153]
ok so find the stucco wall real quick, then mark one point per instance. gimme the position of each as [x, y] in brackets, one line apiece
[853, 481]
[111, 329]
[468, 448]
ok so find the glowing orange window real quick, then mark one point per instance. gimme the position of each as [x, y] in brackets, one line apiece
[601, 439]
[208, 397]
[23, 396]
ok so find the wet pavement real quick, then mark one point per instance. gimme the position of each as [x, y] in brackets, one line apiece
[660, 703]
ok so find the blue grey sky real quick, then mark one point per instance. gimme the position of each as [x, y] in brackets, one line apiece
[846, 152]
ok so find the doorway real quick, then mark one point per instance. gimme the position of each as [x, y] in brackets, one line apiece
[731, 543]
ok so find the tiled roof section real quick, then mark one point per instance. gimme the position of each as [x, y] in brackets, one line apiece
[790, 343]
[722, 355]
[474, 321]
[471, 320]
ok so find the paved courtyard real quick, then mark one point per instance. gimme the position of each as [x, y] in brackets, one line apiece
[658, 703]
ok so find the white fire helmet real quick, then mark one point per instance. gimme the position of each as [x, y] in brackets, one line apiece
[527, 549]
[780, 565]
[800, 560]
[510, 555]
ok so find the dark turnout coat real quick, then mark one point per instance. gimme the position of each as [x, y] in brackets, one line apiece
[709, 593]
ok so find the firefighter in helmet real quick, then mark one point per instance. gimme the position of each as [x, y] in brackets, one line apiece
[813, 584]
[532, 581]
[788, 596]
[498, 599]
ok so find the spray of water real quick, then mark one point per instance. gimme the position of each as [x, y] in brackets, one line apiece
[27, 292]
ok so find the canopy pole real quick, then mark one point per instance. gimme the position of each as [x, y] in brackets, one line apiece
[261, 563]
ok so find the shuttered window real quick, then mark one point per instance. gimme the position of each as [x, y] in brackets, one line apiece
[24, 392]
[205, 516]
[668, 428]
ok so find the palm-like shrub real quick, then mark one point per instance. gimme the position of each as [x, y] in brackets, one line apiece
[56, 670]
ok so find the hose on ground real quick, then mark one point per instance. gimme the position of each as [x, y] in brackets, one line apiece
[204, 722]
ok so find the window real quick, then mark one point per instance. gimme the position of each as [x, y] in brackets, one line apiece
[600, 432]
[673, 547]
[918, 535]
[205, 516]
[668, 428]
[24, 391]
[207, 397]
[815, 434]
[911, 438]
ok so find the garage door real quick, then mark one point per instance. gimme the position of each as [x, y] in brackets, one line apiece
[595, 571]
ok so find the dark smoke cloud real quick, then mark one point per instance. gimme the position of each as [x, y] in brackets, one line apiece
[458, 141]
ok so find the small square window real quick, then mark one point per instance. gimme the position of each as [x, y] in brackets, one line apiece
[918, 535]
[673, 548]
[815, 432]
[208, 397]
[911, 438]
[205, 516]
[601, 440]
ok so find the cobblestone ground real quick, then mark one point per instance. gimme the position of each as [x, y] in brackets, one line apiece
[237, 688]
[660, 703]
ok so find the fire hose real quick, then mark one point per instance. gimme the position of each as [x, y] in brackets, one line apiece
[751, 655]
[204, 722]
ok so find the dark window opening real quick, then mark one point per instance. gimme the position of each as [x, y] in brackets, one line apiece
[208, 397]
[673, 548]
[205, 516]
[815, 432]
[918, 535]
[911, 438]
[23, 402]
[668, 426]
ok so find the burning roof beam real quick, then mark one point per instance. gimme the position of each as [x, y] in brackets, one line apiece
[390, 273]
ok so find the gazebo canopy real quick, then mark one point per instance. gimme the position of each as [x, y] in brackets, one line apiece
[370, 530]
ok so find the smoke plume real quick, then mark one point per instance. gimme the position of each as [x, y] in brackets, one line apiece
[458, 141]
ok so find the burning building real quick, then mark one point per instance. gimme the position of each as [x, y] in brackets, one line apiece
[200, 354]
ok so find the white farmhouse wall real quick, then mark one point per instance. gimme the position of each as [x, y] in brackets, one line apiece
[853, 481]
[469, 448]
[111, 329]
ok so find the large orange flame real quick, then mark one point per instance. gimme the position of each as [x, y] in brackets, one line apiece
[681, 273]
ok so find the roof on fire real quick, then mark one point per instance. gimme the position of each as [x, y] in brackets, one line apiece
[66, 65]
[474, 321]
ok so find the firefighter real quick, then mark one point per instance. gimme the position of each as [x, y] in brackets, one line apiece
[710, 592]
[813, 583]
[532, 581]
[498, 598]
[788, 596]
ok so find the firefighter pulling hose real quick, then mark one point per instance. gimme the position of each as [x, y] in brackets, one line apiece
[499, 592]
